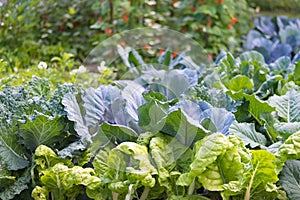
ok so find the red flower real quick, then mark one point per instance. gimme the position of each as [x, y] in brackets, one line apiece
[193, 9]
[229, 26]
[161, 52]
[219, 1]
[175, 53]
[209, 56]
[125, 18]
[174, 3]
[100, 19]
[233, 20]
[108, 31]
[208, 23]
[147, 46]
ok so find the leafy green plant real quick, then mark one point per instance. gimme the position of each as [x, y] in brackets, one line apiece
[31, 115]
[32, 30]
[161, 135]
[59, 177]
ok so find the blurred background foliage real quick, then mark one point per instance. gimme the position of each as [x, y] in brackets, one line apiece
[35, 30]
[277, 7]
[62, 33]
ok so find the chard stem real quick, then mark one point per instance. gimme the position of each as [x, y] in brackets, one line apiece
[145, 193]
[248, 191]
[115, 196]
[191, 188]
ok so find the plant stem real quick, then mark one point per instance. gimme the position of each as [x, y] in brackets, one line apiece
[115, 196]
[191, 188]
[221, 173]
[111, 13]
[248, 191]
[145, 193]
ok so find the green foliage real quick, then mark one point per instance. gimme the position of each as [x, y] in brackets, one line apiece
[290, 7]
[60, 179]
[145, 139]
[52, 31]
[289, 178]
[31, 115]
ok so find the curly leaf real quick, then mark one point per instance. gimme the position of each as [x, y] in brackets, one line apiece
[45, 157]
[144, 170]
[5, 178]
[64, 182]
[218, 160]
[17, 187]
[290, 149]
[168, 153]
[39, 193]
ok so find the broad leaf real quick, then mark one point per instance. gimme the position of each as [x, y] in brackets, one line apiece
[76, 115]
[11, 152]
[164, 60]
[256, 106]
[136, 60]
[287, 129]
[262, 176]
[289, 179]
[41, 130]
[248, 134]
[265, 25]
[175, 83]
[287, 106]
[151, 113]
[214, 96]
[213, 119]
[119, 132]
[282, 66]
[218, 118]
[240, 82]
[178, 124]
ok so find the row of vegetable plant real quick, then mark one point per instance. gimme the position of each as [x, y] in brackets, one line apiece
[177, 131]
[275, 37]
